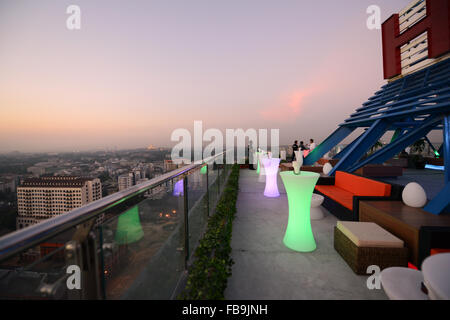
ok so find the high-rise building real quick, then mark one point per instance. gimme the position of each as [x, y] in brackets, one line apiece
[42, 198]
[169, 165]
[125, 181]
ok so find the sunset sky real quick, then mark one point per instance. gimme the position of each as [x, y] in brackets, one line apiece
[137, 70]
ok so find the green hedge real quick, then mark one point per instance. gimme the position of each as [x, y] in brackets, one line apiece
[208, 276]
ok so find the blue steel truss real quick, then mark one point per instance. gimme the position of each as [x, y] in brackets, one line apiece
[411, 107]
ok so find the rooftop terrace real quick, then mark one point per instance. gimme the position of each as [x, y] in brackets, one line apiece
[266, 269]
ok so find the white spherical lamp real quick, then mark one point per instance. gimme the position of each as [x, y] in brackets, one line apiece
[327, 167]
[414, 195]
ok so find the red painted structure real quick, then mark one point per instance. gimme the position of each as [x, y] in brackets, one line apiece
[436, 23]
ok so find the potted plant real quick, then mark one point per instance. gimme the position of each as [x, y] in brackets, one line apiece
[417, 159]
[375, 147]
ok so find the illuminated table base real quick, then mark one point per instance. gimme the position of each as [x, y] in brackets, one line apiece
[271, 170]
[262, 172]
[299, 189]
[258, 155]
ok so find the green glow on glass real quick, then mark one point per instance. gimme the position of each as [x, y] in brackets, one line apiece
[203, 170]
[129, 227]
[258, 154]
[299, 189]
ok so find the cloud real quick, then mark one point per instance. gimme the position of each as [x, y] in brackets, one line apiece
[292, 105]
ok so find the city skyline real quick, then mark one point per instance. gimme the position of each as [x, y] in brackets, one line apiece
[135, 72]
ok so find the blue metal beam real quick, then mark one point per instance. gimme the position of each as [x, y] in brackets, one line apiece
[369, 138]
[411, 124]
[398, 92]
[422, 93]
[430, 144]
[398, 132]
[347, 148]
[441, 150]
[443, 107]
[337, 136]
[446, 147]
[441, 101]
[442, 200]
[400, 144]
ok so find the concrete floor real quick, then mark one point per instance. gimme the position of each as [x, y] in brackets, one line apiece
[265, 269]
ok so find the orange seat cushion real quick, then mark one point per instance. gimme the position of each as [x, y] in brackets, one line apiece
[339, 195]
[437, 251]
[360, 186]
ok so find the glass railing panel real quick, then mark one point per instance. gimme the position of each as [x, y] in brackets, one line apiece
[198, 206]
[40, 272]
[143, 247]
[213, 185]
[134, 247]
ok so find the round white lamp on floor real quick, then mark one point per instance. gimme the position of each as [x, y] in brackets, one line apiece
[316, 209]
[402, 284]
[435, 270]
[327, 167]
[414, 195]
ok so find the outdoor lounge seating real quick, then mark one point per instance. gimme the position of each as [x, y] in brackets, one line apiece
[362, 244]
[379, 170]
[342, 198]
[322, 161]
[424, 233]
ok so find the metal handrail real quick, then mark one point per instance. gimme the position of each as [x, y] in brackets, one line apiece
[23, 239]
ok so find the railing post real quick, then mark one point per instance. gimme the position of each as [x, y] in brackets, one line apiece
[207, 189]
[218, 180]
[186, 222]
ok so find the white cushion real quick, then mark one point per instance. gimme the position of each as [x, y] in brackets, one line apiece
[368, 234]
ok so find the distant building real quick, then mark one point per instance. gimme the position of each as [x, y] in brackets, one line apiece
[169, 165]
[36, 171]
[125, 181]
[8, 183]
[42, 198]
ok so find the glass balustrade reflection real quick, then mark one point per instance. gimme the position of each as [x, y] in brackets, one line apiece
[142, 248]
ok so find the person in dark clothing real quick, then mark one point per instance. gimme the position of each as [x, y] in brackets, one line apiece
[251, 156]
[302, 146]
[294, 148]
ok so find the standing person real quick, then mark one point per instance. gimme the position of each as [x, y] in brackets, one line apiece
[251, 155]
[303, 149]
[312, 145]
[294, 148]
[302, 146]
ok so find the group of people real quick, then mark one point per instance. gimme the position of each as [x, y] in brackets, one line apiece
[302, 147]
[295, 147]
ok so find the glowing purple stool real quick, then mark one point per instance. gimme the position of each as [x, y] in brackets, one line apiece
[178, 189]
[271, 171]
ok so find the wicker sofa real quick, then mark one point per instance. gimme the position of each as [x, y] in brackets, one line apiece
[342, 198]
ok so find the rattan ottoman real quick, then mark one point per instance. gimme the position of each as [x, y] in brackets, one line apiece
[362, 244]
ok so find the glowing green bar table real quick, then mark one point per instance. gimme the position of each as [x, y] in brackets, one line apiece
[258, 158]
[299, 189]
